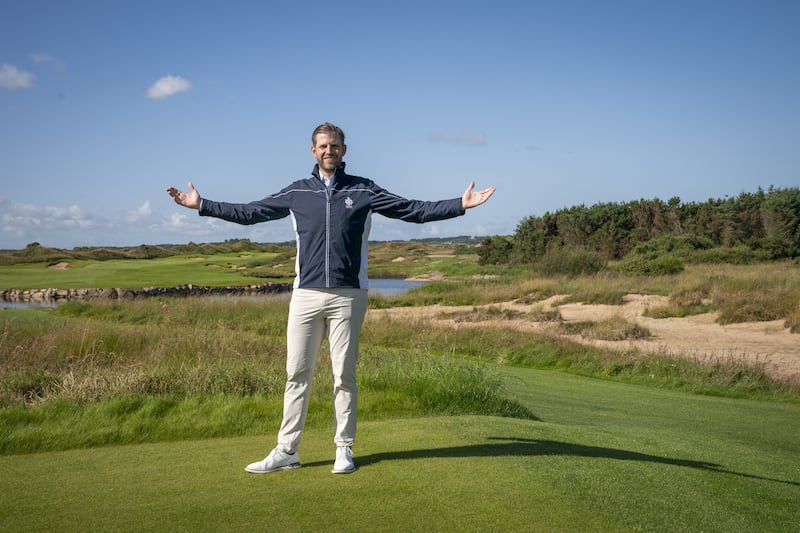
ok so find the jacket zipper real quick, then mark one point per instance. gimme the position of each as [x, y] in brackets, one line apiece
[327, 237]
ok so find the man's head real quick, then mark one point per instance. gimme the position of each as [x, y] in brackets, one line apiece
[327, 145]
[330, 129]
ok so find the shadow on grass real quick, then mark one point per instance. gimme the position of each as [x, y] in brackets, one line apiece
[522, 447]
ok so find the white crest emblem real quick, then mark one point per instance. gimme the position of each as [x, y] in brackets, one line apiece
[348, 203]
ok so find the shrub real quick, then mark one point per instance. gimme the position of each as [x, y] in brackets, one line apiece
[660, 266]
[736, 255]
[671, 244]
[494, 251]
[776, 247]
[615, 328]
[569, 261]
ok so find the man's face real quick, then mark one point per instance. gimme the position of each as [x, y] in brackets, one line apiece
[329, 151]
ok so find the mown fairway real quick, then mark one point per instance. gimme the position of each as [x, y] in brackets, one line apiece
[220, 269]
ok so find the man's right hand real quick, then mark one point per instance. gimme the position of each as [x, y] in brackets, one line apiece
[189, 199]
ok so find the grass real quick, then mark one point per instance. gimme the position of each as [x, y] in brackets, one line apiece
[731, 377]
[605, 456]
[103, 373]
[217, 270]
[139, 415]
[615, 328]
[740, 293]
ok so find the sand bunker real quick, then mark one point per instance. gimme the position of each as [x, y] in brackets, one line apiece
[699, 336]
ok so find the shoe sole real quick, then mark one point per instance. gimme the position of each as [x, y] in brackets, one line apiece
[278, 469]
[350, 471]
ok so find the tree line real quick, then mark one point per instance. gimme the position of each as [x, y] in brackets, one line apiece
[763, 225]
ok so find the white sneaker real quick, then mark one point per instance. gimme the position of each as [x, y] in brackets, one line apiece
[344, 461]
[276, 460]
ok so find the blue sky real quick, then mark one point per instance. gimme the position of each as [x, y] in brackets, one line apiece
[557, 103]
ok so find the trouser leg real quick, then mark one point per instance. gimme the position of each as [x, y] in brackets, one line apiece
[304, 334]
[345, 317]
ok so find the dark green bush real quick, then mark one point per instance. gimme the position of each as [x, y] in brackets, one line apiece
[570, 261]
[495, 251]
[671, 244]
[737, 255]
[660, 266]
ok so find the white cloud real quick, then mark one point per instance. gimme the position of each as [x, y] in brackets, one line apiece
[12, 78]
[34, 223]
[182, 221]
[142, 214]
[70, 226]
[31, 215]
[433, 230]
[177, 221]
[190, 224]
[464, 137]
[168, 86]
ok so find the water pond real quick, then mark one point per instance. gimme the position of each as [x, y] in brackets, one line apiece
[380, 287]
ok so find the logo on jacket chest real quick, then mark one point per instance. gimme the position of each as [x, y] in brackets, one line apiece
[348, 203]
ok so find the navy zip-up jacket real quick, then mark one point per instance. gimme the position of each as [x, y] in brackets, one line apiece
[332, 227]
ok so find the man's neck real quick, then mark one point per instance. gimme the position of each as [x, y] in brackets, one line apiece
[326, 174]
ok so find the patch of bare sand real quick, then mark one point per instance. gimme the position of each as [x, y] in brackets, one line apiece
[59, 266]
[434, 275]
[699, 337]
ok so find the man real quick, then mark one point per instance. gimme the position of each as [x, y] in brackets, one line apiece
[331, 213]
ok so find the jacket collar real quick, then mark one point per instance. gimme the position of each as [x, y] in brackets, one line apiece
[337, 176]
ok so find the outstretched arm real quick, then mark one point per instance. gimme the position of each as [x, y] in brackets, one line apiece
[473, 198]
[189, 199]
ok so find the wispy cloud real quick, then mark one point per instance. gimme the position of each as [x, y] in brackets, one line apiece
[13, 78]
[168, 86]
[182, 221]
[463, 137]
[141, 214]
[191, 224]
[45, 58]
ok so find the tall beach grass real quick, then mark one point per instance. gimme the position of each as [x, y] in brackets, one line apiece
[112, 373]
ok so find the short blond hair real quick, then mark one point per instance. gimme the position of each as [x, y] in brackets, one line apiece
[329, 129]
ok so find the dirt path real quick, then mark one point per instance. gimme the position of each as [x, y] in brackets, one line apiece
[699, 336]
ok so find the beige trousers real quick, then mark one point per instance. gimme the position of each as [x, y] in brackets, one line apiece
[312, 312]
